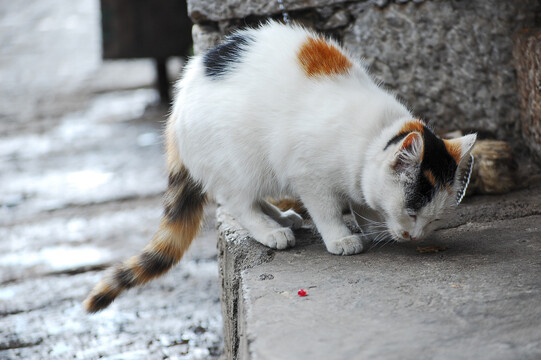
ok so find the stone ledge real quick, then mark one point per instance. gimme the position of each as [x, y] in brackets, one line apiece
[480, 298]
[208, 10]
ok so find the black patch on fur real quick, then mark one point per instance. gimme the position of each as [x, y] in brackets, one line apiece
[100, 302]
[154, 264]
[125, 278]
[396, 139]
[437, 159]
[183, 197]
[219, 60]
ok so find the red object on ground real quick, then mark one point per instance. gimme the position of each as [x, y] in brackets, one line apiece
[302, 292]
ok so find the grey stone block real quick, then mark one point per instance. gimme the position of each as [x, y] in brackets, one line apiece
[204, 38]
[205, 10]
[527, 54]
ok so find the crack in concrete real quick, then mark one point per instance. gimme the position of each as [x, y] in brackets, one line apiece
[16, 344]
[504, 217]
[71, 272]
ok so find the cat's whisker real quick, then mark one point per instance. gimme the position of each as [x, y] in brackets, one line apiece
[378, 244]
[376, 226]
[373, 245]
[385, 243]
[381, 240]
[380, 237]
[376, 236]
[376, 232]
[366, 219]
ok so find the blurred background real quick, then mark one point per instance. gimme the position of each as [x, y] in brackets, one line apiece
[82, 104]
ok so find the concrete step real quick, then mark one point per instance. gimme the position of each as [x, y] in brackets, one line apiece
[479, 298]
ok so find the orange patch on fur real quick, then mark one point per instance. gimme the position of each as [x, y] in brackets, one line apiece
[287, 203]
[138, 272]
[454, 148]
[318, 57]
[430, 177]
[173, 239]
[411, 126]
[172, 156]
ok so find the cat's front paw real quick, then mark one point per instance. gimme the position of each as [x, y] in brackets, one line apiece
[294, 220]
[280, 239]
[348, 245]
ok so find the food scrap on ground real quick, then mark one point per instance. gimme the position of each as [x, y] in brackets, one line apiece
[302, 292]
[431, 249]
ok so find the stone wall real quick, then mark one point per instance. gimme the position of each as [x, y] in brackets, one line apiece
[527, 53]
[451, 61]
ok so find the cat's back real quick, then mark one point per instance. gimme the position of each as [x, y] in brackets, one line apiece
[243, 105]
[267, 49]
[273, 56]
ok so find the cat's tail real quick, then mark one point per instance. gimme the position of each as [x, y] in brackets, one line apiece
[183, 212]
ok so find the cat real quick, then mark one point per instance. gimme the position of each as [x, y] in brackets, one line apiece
[280, 110]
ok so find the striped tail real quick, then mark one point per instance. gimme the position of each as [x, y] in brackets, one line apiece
[184, 201]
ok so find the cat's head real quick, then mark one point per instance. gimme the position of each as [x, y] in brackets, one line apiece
[414, 179]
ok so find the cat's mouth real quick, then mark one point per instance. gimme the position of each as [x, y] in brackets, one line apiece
[404, 236]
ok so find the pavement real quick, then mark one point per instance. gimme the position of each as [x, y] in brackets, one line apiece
[470, 291]
[81, 179]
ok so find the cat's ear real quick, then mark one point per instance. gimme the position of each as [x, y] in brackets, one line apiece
[410, 152]
[460, 148]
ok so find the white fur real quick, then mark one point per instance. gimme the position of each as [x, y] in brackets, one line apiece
[265, 130]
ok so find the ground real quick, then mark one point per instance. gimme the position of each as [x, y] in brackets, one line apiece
[81, 178]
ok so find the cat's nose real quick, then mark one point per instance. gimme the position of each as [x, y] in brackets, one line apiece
[406, 235]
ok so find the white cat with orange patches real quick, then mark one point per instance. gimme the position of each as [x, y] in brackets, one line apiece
[278, 111]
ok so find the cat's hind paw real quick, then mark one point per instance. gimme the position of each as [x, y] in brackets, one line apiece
[293, 219]
[348, 245]
[280, 239]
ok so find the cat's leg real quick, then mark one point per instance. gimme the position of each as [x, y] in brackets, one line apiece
[288, 218]
[325, 208]
[262, 227]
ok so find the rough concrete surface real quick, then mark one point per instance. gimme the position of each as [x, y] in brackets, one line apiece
[81, 178]
[477, 298]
